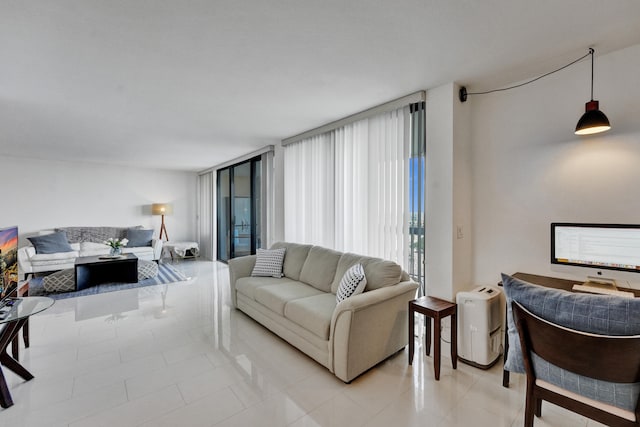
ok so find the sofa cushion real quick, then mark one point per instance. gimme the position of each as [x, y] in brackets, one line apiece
[53, 260]
[95, 234]
[142, 252]
[352, 283]
[275, 297]
[312, 313]
[93, 249]
[139, 237]
[294, 258]
[268, 262]
[320, 267]
[248, 285]
[379, 272]
[51, 243]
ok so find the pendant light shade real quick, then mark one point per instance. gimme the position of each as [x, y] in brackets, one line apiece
[593, 120]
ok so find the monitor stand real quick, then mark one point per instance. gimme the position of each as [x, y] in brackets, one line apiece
[601, 285]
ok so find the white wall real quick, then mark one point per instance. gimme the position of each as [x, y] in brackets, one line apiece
[448, 194]
[529, 169]
[40, 194]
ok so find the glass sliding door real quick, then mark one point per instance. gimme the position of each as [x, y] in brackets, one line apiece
[241, 210]
[239, 188]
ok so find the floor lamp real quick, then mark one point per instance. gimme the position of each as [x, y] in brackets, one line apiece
[162, 209]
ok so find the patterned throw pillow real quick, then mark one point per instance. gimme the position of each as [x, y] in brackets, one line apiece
[269, 262]
[353, 282]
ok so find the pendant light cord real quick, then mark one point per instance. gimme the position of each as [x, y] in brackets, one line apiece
[591, 53]
[464, 93]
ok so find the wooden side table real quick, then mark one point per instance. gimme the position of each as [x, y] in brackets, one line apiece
[437, 309]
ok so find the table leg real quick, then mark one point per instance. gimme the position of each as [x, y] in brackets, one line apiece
[25, 333]
[427, 335]
[7, 335]
[411, 333]
[505, 373]
[436, 347]
[5, 395]
[454, 340]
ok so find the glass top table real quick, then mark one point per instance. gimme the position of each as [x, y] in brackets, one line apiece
[14, 313]
[21, 308]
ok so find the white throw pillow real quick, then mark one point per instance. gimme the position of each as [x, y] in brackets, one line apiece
[269, 262]
[353, 283]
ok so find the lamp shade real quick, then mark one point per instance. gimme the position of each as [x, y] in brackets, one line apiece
[161, 209]
[593, 120]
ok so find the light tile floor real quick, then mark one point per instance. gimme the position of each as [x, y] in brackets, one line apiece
[178, 355]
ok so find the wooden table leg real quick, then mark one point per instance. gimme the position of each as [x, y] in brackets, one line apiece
[427, 335]
[454, 340]
[436, 347]
[411, 333]
[8, 334]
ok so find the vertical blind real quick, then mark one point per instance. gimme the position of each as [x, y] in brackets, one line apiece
[348, 188]
[205, 215]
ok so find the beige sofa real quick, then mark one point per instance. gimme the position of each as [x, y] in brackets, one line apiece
[347, 338]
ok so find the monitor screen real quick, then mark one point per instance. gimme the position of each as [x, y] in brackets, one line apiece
[607, 246]
[8, 259]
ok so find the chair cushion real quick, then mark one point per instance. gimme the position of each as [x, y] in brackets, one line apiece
[597, 314]
[275, 297]
[268, 262]
[352, 283]
[312, 313]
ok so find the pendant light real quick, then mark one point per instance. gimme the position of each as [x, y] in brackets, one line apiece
[593, 120]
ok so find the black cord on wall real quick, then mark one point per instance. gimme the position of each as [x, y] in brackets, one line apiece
[463, 94]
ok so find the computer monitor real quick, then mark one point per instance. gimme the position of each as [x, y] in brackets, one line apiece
[614, 247]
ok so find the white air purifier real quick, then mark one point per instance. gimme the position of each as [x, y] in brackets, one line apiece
[479, 326]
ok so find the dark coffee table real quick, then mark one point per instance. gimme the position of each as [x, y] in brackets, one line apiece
[93, 270]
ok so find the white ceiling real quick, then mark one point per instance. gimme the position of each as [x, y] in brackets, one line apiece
[188, 84]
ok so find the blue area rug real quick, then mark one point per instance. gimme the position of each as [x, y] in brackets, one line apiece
[166, 274]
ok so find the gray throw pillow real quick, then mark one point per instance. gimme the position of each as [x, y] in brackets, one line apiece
[268, 262]
[51, 243]
[597, 314]
[139, 237]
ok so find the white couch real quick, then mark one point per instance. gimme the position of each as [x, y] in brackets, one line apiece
[85, 241]
[348, 337]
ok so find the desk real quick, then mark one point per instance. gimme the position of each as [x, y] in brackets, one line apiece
[17, 317]
[437, 309]
[548, 282]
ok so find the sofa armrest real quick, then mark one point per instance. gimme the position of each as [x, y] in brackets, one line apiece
[369, 327]
[156, 244]
[239, 267]
[24, 259]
